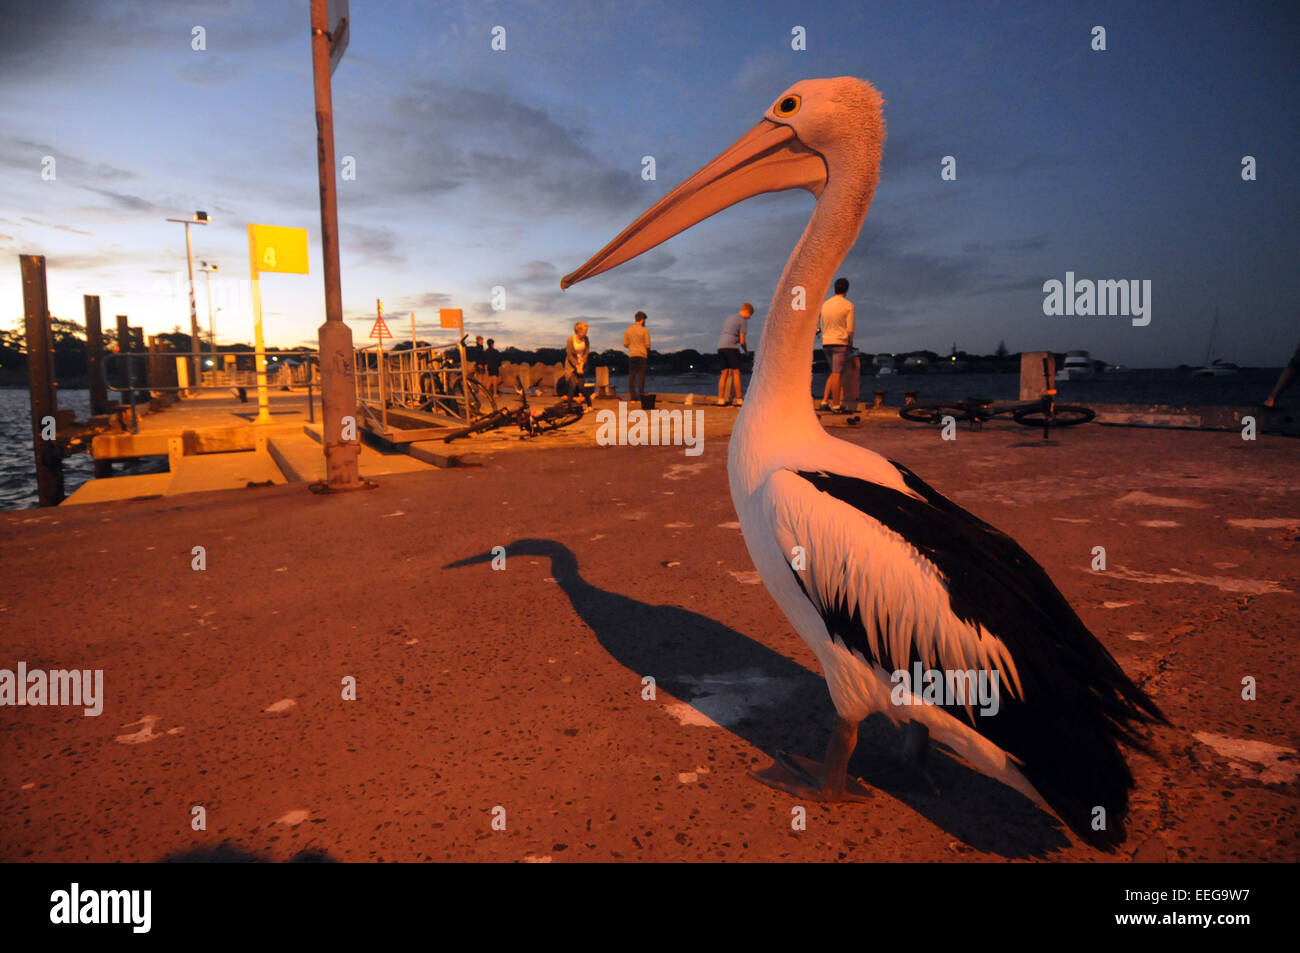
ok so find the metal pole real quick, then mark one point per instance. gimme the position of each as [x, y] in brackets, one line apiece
[383, 393]
[212, 328]
[195, 345]
[259, 346]
[464, 374]
[338, 378]
[40, 375]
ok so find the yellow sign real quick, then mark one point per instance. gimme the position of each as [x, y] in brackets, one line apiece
[275, 248]
[451, 317]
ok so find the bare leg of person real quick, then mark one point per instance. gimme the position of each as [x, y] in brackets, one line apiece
[1284, 381]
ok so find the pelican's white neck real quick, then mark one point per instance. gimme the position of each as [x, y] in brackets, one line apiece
[781, 388]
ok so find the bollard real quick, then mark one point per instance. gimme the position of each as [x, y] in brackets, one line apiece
[1032, 379]
[909, 397]
[880, 398]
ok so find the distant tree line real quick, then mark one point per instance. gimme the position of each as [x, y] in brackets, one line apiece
[70, 355]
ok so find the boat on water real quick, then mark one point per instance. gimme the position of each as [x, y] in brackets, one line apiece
[1076, 367]
[884, 365]
[1213, 366]
[1216, 368]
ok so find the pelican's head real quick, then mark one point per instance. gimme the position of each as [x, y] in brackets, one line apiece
[817, 131]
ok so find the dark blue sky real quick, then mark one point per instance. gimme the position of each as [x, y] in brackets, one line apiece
[478, 168]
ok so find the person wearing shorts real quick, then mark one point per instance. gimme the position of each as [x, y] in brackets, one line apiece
[1285, 379]
[730, 346]
[837, 343]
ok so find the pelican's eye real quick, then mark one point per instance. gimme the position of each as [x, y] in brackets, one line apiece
[787, 106]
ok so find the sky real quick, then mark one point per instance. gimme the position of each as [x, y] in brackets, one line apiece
[478, 168]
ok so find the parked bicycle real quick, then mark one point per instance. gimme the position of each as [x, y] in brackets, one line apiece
[1044, 412]
[532, 422]
[441, 386]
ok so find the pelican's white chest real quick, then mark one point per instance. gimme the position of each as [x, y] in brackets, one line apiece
[756, 453]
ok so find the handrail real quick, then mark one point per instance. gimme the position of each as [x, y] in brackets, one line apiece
[131, 385]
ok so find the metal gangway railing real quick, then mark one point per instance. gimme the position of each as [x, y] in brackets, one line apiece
[433, 383]
[136, 373]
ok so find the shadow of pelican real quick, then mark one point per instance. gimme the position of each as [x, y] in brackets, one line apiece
[776, 704]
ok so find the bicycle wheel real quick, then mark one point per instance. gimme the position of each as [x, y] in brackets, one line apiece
[933, 413]
[480, 399]
[491, 422]
[1062, 415]
[557, 416]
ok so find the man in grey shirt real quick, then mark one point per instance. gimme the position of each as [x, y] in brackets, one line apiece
[730, 345]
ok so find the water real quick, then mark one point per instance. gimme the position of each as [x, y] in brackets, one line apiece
[17, 469]
[1244, 389]
[18, 477]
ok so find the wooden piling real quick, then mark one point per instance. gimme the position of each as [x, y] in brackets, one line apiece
[40, 376]
[95, 357]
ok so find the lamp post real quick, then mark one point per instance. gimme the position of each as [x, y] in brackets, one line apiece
[200, 218]
[329, 38]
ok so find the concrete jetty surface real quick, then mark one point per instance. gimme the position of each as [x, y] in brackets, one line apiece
[517, 695]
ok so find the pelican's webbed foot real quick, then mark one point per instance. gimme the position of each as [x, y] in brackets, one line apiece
[819, 782]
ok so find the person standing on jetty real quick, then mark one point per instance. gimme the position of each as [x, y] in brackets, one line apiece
[492, 363]
[474, 357]
[637, 341]
[577, 350]
[1285, 379]
[837, 343]
[730, 346]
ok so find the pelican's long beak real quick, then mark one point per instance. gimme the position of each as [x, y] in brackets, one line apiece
[768, 158]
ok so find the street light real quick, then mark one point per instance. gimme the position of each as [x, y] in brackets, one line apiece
[212, 328]
[200, 218]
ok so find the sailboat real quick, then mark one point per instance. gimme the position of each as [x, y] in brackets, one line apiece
[1213, 366]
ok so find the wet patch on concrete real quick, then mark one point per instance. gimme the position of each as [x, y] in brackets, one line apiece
[1256, 760]
[1278, 523]
[1142, 498]
[1257, 587]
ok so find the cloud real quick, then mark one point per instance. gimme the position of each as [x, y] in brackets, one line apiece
[132, 203]
[371, 244]
[40, 38]
[441, 137]
[25, 154]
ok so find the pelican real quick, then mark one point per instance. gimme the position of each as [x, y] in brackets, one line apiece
[880, 574]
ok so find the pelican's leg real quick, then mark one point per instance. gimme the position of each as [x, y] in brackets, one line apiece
[828, 781]
[916, 754]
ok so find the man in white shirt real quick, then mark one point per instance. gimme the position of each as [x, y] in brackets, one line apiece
[837, 343]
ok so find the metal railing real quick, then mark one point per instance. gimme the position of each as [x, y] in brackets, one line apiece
[432, 379]
[155, 371]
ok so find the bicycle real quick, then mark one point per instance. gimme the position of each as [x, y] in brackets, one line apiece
[567, 411]
[1044, 412]
[442, 387]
